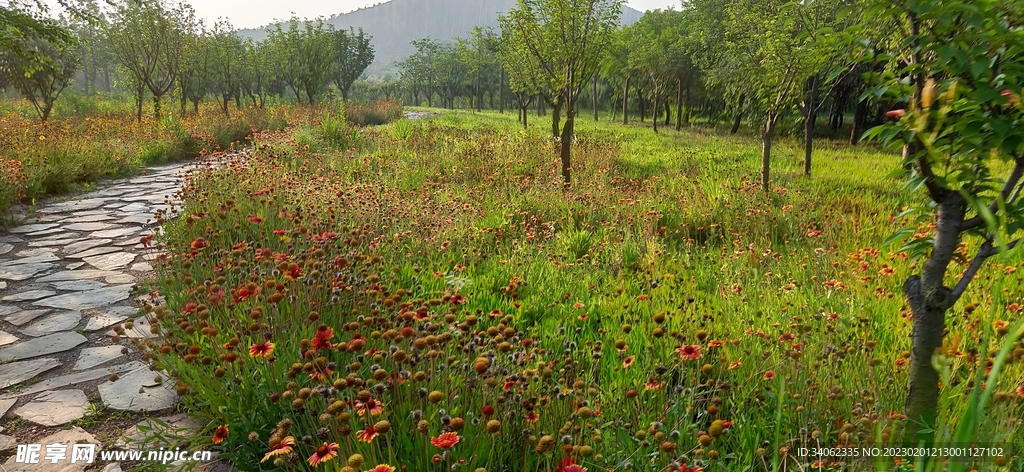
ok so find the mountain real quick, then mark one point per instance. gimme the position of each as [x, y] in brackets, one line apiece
[394, 24]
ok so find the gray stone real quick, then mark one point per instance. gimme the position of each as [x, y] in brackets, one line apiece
[141, 267]
[36, 252]
[138, 218]
[52, 242]
[89, 218]
[62, 321]
[7, 338]
[77, 275]
[76, 378]
[94, 356]
[5, 248]
[6, 405]
[88, 299]
[34, 258]
[49, 344]
[86, 244]
[99, 319]
[120, 279]
[113, 467]
[117, 260]
[55, 408]
[127, 242]
[56, 231]
[7, 308]
[10, 238]
[140, 329]
[24, 316]
[28, 296]
[78, 285]
[3, 285]
[150, 256]
[116, 232]
[23, 271]
[135, 207]
[137, 391]
[67, 437]
[96, 251]
[74, 265]
[32, 228]
[75, 206]
[96, 226]
[18, 372]
[7, 443]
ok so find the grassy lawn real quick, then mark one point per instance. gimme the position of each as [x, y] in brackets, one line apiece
[387, 290]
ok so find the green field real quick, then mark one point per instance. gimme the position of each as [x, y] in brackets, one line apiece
[664, 313]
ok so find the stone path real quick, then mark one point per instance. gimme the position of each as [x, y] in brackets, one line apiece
[67, 275]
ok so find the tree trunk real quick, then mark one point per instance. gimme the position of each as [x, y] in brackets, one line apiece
[668, 112]
[859, 118]
[766, 150]
[525, 114]
[501, 90]
[679, 104]
[654, 114]
[595, 97]
[556, 116]
[929, 299]
[567, 143]
[156, 107]
[739, 116]
[808, 141]
[625, 103]
[640, 101]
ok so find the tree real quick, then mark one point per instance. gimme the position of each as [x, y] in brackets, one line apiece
[196, 62]
[148, 37]
[228, 52]
[418, 71]
[353, 53]
[43, 74]
[21, 30]
[566, 38]
[964, 63]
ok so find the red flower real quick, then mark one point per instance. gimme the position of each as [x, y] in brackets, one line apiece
[382, 468]
[255, 219]
[262, 350]
[220, 434]
[488, 410]
[1020, 391]
[532, 417]
[375, 407]
[628, 361]
[769, 375]
[324, 453]
[368, 434]
[685, 468]
[445, 440]
[198, 243]
[322, 339]
[146, 240]
[689, 352]
[293, 272]
[281, 448]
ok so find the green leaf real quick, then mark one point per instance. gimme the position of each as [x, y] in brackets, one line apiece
[898, 236]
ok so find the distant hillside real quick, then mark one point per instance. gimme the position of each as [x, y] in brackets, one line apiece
[396, 23]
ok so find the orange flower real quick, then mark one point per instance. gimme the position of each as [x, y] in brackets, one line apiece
[628, 361]
[1020, 391]
[532, 417]
[382, 468]
[324, 453]
[368, 434]
[262, 350]
[199, 243]
[445, 440]
[689, 352]
[281, 448]
[375, 407]
[220, 434]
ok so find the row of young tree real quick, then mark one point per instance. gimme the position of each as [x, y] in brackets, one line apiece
[942, 79]
[764, 61]
[154, 48]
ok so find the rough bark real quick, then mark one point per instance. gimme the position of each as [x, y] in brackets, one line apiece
[567, 143]
[679, 104]
[739, 116]
[625, 103]
[860, 116]
[766, 150]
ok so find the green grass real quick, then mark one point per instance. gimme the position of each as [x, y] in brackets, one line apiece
[664, 241]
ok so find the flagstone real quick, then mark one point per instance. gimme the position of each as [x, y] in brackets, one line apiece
[49, 344]
[87, 299]
[52, 323]
[76, 378]
[78, 285]
[138, 391]
[22, 317]
[86, 244]
[55, 408]
[117, 260]
[95, 226]
[77, 275]
[116, 232]
[32, 228]
[69, 438]
[94, 356]
[28, 295]
[99, 319]
[17, 372]
[96, 251]
[18, 272]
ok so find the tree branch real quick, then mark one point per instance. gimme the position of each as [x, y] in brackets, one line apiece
[1005, 193]
[986, 250]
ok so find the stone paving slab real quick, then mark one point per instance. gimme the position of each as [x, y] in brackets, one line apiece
[17, 372]
[89, 299]
[49, 344]
[77, 378]
[94, 356]
[68, 437]
[55, 408]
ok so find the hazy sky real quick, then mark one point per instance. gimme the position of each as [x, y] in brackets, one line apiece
[251, 13]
